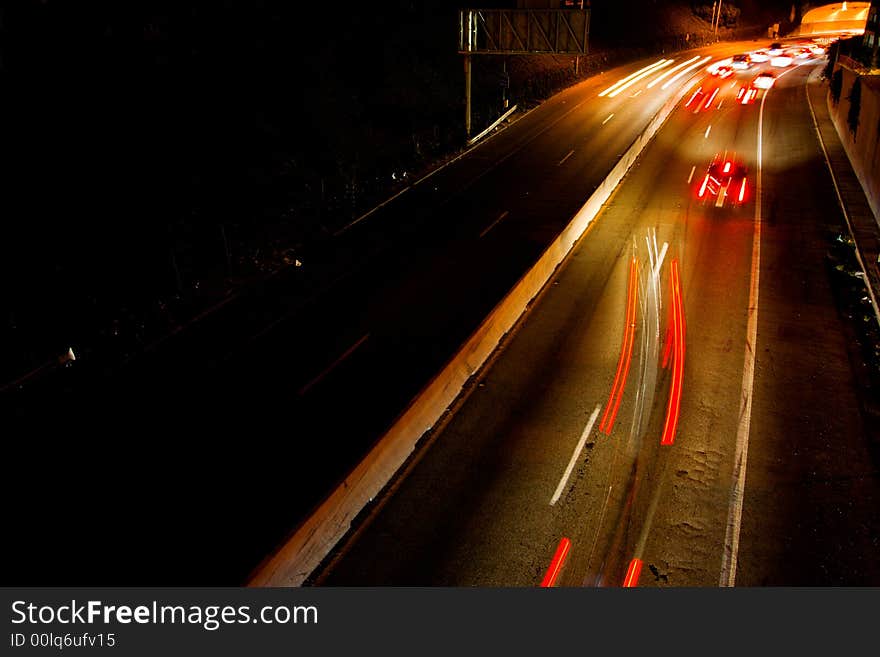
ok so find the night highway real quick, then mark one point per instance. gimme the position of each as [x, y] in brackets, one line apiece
[682, 404]
[393, 310]
[481, 506]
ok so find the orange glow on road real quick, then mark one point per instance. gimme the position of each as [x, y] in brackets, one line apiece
[673, 408]
[623, 363]
[557, 563]
[632, 574]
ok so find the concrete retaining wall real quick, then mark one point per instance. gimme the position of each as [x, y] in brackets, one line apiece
[863, 147]
[314, 540]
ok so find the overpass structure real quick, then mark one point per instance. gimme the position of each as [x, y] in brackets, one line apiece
[836, 18]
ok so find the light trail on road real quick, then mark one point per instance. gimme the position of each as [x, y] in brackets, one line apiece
[617, 87]
[557, 563]
[678, 348]
[625, 359]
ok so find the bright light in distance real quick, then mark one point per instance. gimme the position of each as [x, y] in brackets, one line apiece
[763, 82]
[781, 61]
[630, 80]
[684, 71]
[721, 62]
[672, 70]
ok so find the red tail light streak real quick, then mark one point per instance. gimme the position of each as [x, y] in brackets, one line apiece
[673, 408]
[623, 363]
[703, 186]
[632, 574]
[711, 98]
[556, 564]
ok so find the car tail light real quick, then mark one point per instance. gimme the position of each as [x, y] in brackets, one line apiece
[703, 186]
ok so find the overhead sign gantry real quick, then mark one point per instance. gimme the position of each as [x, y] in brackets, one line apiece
[519, 32]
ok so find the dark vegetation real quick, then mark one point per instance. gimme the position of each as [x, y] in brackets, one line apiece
[152, 173]
[854, 303]
[836, 86]
[855, 105]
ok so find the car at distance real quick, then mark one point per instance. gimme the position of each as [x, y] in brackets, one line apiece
[714, 66]
[763, 80]
[726, 179]
[723, 72]
[741, 62]
[782, 60]
[746, 94]
[774, 49]
[760, 56]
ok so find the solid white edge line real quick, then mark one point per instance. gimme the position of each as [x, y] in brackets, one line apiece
[734, 515]
[734, 512]
[610, 116]
[706, 136]
[575, 456]
[691, 177]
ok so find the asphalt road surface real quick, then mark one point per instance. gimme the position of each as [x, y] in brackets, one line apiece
[769, 480]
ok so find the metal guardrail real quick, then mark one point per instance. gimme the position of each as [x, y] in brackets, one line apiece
[485, 132]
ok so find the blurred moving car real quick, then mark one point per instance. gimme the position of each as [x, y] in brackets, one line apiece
[714, 66]
[763, 80]
[760, 56]
[747, 94]
[741, 62]
[723, 72]
[782, 60]
[725, 179]
[774, 49]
